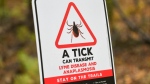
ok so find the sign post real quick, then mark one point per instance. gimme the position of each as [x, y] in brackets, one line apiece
[73, 42]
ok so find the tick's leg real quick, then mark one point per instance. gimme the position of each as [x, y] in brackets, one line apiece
[68, 24]
[70, 28]
[70, 31]
[80, 31]
[81, 34]
[71, 37]
[79, 25]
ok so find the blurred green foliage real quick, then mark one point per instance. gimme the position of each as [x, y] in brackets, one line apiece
[1, 62]
[30, 72]
[24, 34]
[110, 8]
[1, 8]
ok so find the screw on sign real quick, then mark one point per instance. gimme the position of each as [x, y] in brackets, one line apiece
[75, 30]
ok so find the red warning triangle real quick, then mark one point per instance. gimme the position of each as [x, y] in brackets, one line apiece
[71, 4]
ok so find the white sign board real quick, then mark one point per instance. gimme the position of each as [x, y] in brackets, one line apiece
[73, 42]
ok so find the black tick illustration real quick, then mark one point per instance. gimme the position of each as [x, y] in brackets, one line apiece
[75, 30]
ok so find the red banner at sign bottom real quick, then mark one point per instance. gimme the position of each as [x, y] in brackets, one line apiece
[78, 77]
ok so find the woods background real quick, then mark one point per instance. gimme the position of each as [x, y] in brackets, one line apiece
[130, 30]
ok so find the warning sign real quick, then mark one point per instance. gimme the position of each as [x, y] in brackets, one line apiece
[73, 42]
[74, 30]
